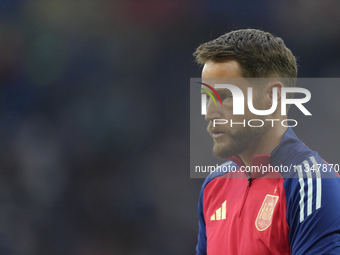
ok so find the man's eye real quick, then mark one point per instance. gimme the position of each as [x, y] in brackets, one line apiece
[224, 97]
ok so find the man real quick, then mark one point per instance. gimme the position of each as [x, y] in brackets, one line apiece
[294, 211]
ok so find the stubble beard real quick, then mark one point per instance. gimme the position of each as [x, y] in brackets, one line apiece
[236, 141]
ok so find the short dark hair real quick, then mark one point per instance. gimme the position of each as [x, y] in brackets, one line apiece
[259, 54]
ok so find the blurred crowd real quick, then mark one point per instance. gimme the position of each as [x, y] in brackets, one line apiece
[95, 115]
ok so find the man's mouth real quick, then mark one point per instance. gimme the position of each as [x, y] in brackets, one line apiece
[216, 134]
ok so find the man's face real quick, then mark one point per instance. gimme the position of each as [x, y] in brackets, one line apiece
[230, 141]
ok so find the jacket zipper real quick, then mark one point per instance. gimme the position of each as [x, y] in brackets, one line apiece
[246, 194]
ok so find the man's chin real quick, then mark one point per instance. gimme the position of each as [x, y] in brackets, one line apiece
[224, 151]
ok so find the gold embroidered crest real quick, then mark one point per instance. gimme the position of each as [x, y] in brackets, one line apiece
[264, 217]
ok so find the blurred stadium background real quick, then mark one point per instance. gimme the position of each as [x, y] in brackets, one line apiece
[94, 115]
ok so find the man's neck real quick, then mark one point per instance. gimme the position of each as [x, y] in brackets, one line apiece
[264, 146]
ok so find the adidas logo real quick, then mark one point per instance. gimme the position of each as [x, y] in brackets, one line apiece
[221, 213]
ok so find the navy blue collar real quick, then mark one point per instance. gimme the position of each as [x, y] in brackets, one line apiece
[286, 148]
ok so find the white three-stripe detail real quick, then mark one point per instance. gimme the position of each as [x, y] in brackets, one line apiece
[318, 183]
[302, 192]
[310, 188]
[308, 171]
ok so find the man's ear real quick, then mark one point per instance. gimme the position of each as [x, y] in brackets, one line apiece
[270, 90]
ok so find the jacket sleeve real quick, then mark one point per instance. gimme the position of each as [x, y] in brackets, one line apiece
[201, 247]
[313, 209]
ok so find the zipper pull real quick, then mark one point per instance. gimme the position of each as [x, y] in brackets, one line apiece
[245, 194]
[249, 180]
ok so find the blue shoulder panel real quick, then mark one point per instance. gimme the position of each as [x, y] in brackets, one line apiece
[313, 205]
